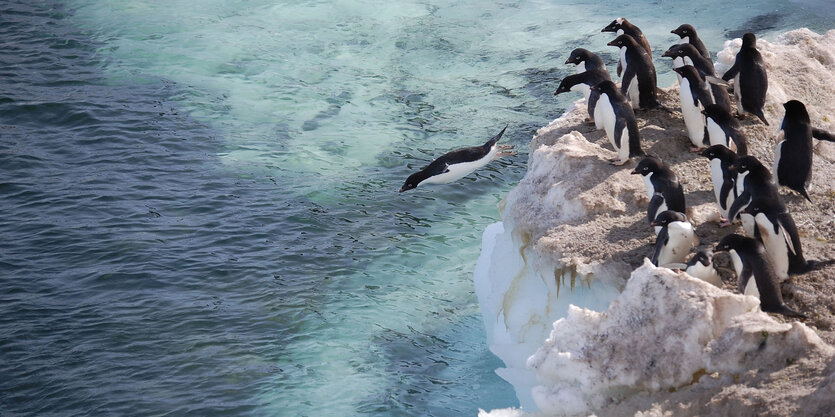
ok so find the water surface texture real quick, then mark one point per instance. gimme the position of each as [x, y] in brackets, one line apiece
[199, 209]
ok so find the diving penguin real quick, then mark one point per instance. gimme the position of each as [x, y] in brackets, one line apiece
[457, 164]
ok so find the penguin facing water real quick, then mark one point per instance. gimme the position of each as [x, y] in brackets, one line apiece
[694, 96]
[615, 114]
[690, 54]
[750, 78]
[674, 240]
[622, 26]
[585, 60]
[687, 34]
[583, 82]
[638, 82]
[459, 163]
[750, 261]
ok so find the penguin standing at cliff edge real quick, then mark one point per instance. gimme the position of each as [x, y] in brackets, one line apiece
[583, 82]
[459, 163]
[585, 60]
[622, 26]
[750, 78]
[638, 82]
[687, 34]
[717, 86]
[663, 189]
[750, 260]
[615, 114]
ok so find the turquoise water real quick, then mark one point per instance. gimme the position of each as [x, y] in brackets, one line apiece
[199, 204]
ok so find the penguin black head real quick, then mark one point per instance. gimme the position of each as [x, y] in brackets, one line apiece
[565, 85]
[622, 40]
[648, 165]
[686, 70]
[764, 205]
[616, 25]
[605, 87]
[747, 163]
[702, 257]
[720, 152]
[666, 217]
[411, 182]
[749, 40]
[732, 241]
[578, 56]
[684, 31]
[795, 110]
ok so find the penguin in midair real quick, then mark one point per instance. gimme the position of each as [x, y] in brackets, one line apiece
[721, 158]
[687, 33]
[717, 86]
[750, 260]
[613, 111]
[622, 26]
[778, 232]
[638, 82]
[701, 266]
[724, 129]
[753, 180]
[459, 163]
[694, 96]
[750, 78]
[663, 189]
[674, 240]
[793, 153]
[585, 60]
[583, 82]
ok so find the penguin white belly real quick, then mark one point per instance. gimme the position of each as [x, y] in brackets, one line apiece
[605, 113]
[775, 244]
[718, 181]
[778, 151]
[704, 273]
[693, 118]
[678, 62]
[751, 286]
[738, 94]
[648, 185]
[632, 92]
[583, 88]
[681, 240]
[581, 67]
[460, 170]
[715, 134]
[748, 224]
[623, 151]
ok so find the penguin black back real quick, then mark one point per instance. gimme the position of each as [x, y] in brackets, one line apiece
[793, 157]
[749, 69]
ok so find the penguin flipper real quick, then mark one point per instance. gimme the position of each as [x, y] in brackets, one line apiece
[727, 186]
[620, 68]
[821, 134]
[654, 204]
[628, 75]
[739, 203]
[760, 115]
[744, 276]
[660, 242]
[779, 228]
[496, 138]
[620, 125]
[732, 71]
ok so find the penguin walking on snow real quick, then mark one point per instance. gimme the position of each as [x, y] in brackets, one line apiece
[622, 26]
[701, 266]
[724, 129]
[638, 82]
[459, 163]
[614, 113]
[689, 54]
[694, 96]
[750, 78]
[674, 240]
[750, 260]
[663, 189]
[721, 158]
[585, 60]
[793, 154]
[583, 82]
[778, 232]
[687, 33]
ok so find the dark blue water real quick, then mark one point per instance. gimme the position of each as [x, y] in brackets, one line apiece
[198, 206]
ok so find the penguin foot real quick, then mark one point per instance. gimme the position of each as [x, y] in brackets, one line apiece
[617, 162]
[505, 146]
[504, 153]
[724, 223]
[589, 121]
[696, 150]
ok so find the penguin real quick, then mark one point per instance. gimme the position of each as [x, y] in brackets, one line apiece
[583, 82]
[778, 232]
[675, 239]
[459, 163]
[687, 33]
[750, 260]
[690, 54]
[618, 120]
[694, 96]
[750, 78]
[793, 153]
[701, 266]
[663, 189]
[753, 180]
[622, 26]
[724, 129]
[586, 60]
[638, 82]
[721, 158]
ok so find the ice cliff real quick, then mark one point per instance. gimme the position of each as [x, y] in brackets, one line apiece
[579, 336]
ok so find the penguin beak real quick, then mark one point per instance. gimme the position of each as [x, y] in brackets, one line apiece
[652, 223]
[569, 61]
[612, 43]
[635, 171]
[666, 53]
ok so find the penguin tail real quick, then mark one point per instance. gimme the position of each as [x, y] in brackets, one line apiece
[761, 116]
[804, 193]
[816, 265]
[786, 311]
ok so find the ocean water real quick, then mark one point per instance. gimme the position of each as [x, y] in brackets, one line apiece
[199, 209]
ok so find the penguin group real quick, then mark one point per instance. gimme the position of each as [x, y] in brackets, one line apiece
[745, 190]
